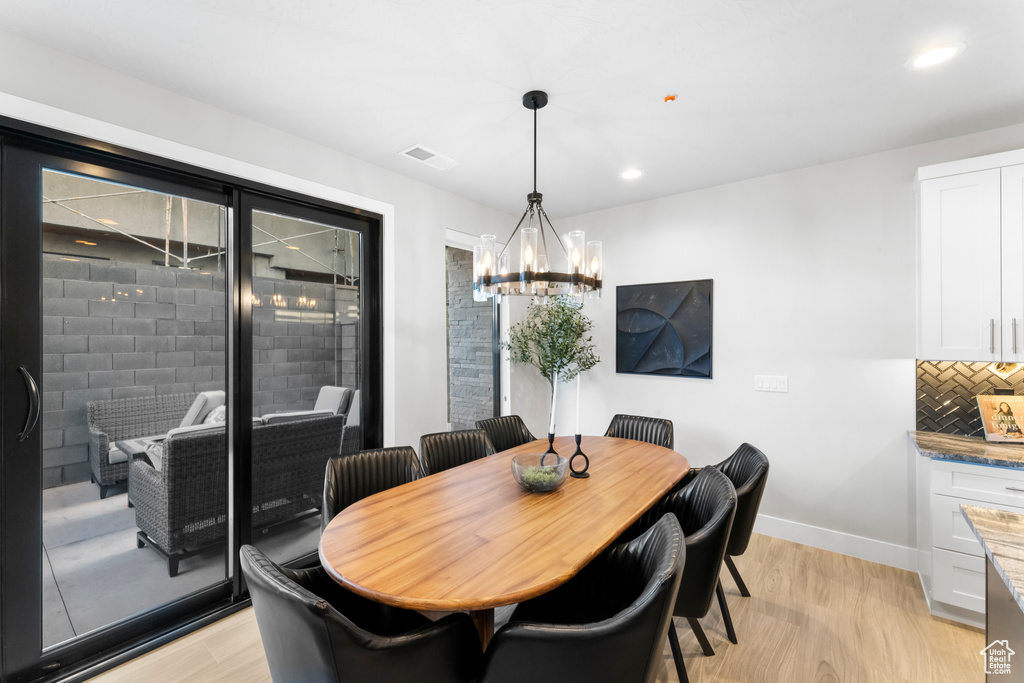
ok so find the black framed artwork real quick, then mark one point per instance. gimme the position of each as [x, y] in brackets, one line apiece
[664, 328]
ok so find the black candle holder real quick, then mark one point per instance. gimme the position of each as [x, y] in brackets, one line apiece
[579, 474]
[551, 446]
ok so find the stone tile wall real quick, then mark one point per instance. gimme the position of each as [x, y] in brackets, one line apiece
[126, 330]
[470, 350]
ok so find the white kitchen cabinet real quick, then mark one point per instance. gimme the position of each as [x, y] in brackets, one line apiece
[951, 561]
[1012, 265]
[971, 267]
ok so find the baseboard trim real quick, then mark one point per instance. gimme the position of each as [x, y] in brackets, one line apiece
[899, 556]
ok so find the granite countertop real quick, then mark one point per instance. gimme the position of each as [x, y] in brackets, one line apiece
[1001, 534]
[968, 449]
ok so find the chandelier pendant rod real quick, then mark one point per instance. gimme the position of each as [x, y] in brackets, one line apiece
[509, 240]
[544, 215]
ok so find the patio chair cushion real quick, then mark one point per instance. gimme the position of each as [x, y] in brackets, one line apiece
[334, 399]
[114, 455]
[201, 407]
[292, 416]
[218, 415]
[195, 429]
[155, 453]
[352, 416]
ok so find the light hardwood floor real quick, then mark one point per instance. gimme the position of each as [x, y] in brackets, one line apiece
[814, 616]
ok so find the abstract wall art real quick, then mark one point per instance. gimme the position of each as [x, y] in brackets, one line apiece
[664, 328]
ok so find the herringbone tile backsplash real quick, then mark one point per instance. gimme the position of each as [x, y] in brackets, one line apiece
[946, 391]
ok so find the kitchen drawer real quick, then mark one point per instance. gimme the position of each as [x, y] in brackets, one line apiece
[980, 483]
[949, 528]
[958, 579]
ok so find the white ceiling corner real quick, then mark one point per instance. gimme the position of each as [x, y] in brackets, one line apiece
[763, 85]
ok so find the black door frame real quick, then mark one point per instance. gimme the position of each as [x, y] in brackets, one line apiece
[28, 145]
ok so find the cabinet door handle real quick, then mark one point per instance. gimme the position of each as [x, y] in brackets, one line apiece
[991, 335]
[1013, 322]
[1014, 488]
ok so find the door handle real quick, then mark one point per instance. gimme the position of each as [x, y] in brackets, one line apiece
[33, 403]
[991, 335]
[1013, 322]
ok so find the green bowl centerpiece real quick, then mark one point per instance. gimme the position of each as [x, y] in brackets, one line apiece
[539, 471]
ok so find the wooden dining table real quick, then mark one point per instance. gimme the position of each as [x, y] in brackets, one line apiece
[471, 539]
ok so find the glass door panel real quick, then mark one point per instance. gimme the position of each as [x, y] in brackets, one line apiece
[307, 398]
[134, 456]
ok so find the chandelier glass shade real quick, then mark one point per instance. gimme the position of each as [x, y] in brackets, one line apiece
[535, 271]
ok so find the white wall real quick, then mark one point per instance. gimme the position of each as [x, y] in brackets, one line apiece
[814, 278]
[55, 89]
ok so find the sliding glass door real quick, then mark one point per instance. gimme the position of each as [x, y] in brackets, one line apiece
[181, 356]
[114, 331]
[307, 389]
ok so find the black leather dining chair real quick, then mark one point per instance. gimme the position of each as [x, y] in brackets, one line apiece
[607, 624]
[444, 450]
[655, 430]
[705, 505]
[350, 478]
[313, 629]
[505, 432]
[747, 469]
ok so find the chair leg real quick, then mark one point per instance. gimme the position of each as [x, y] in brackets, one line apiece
[736, 577]
[705, 644]
[726, 617]
[677, 652]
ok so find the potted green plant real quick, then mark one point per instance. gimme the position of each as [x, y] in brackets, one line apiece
[553, 338]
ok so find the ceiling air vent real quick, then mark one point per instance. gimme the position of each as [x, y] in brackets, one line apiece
[438, 162]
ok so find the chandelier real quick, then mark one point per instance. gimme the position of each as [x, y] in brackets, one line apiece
[536, 275]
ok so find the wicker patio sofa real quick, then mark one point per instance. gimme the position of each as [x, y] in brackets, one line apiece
[180, 496]
[128, 418]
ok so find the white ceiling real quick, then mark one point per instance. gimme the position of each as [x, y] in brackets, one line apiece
[763, 85]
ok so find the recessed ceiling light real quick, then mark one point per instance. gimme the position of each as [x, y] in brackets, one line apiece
[291, 247]
[631, 174]
[107, 221]
[936, 55]
[88, 244]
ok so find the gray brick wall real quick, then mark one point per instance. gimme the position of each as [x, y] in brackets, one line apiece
[125, 330]
[470, 351]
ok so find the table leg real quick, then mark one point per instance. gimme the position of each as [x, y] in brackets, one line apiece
[484, 620]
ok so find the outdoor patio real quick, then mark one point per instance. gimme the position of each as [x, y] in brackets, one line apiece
[94, 574]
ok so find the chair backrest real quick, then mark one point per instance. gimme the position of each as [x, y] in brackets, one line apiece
[636, 581]
[747, 469]
[131, 418]
[334, 399]
[705, 507]
[655, 430]
[292, 622]
[444, 450]
[505, 432]
[307, 637]
[350, 478]
[288, 460]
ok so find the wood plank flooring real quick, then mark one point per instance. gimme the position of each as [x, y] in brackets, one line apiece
[814, 617]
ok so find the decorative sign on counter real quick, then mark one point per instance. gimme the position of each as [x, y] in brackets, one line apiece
[1002, 417]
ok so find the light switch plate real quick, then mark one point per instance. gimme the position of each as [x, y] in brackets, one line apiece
[777, 383]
